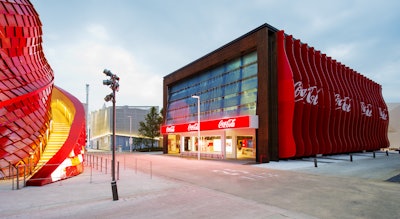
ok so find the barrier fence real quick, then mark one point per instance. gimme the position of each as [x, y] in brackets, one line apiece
[100, 162]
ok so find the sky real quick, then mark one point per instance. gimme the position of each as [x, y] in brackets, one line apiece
[142, 41]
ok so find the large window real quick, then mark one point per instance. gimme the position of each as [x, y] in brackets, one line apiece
[226, 91]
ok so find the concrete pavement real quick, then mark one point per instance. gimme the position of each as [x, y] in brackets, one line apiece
[161, 186]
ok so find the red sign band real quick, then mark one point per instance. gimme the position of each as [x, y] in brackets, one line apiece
[225, 123]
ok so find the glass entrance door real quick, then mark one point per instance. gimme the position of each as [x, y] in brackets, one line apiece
[229, 147]
[245, 147]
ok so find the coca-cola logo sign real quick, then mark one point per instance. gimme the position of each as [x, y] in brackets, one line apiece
[343, 104]
[193, 127]
[309, 95]
[383, 114]
[170, 129]
[217, 124]
[366, 109]
[230, 123]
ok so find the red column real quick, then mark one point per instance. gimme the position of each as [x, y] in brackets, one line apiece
[325, 102]
[302, 89]
[287, 147]
[375, 117]
[362, 119]
[357, 118]
[350, 114]
[336, 108]
[311, 99]
[384, 118]
[367, 131]
[320, 131]
[343, 107]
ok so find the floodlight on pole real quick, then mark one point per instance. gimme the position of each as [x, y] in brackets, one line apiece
[107, 82]
[198, 125]
[109, 97]
[107, 72]
[112, 82]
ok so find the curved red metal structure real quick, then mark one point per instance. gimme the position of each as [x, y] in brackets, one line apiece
[286, 103]
[26, 88]
[336, 109]
[68, 159]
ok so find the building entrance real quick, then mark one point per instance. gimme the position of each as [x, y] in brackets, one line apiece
[231, 144]
[245, 147]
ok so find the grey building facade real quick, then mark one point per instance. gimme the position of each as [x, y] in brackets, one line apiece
[127, 126]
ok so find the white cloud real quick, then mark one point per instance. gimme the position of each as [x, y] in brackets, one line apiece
[341, 51]
[142, 41]
[97, 31]
[82, 62]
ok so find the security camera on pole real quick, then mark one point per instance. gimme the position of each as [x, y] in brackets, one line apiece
[112, 82]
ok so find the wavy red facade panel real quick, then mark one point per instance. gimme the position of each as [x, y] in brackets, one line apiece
[26, 82]
[26, 86]
[336, 109]
[285, 101]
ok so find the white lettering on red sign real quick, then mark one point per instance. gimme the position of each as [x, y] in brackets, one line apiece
[310, 95]
[170, 129]
[230, 123]
[383, 113]
[366, 109]
[193, 127]
[343, 103]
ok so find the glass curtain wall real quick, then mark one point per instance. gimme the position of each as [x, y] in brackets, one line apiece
[228, 90]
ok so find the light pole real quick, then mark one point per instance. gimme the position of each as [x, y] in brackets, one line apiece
[114, 85]
[130, 133]
[87, 117]
[198, 125]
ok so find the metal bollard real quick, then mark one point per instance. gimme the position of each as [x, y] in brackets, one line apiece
[101, 164]
[114, 190]
[91, 170]
[315, 162]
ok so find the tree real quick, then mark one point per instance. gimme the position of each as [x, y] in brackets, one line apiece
[150, 128]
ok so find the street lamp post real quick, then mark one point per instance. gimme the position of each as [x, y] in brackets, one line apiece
[87, 117]
[198, 125]
[130, 133]
[114, 85]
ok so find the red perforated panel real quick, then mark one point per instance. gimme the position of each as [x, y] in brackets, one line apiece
[26, 86]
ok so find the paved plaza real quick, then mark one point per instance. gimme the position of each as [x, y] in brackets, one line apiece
[152, 185]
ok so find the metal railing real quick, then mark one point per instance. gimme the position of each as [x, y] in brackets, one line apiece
[101, 162]
[24, 175]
